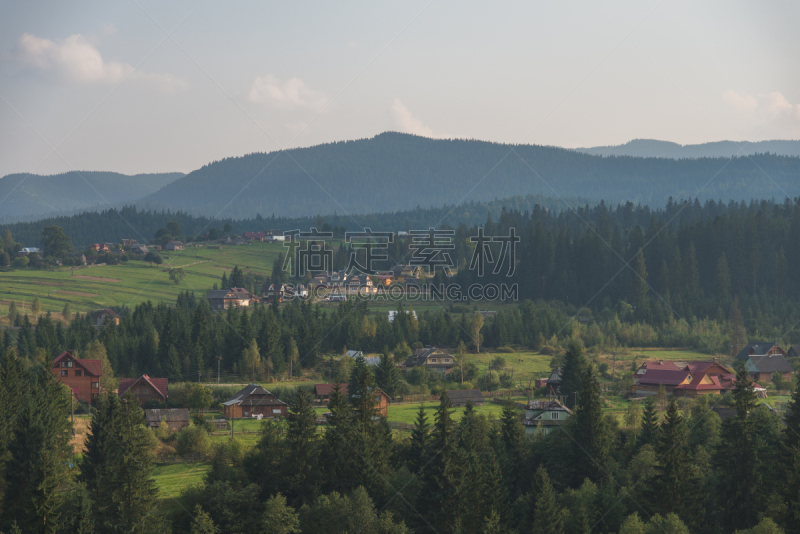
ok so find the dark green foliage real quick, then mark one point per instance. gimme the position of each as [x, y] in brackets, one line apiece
[38, 454]
[650, 417]
[420, 442]
[55, 242]
[573, 373]
[592, 435]
[302, 455]
[386, 374]
[548, 516]
[117, 468]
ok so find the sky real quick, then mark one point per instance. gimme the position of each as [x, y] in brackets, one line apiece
[149, 86]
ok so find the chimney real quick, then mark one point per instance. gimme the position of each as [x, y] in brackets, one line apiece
[716, 360]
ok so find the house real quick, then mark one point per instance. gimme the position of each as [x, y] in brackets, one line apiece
[544, 416]
[459, 397]
[239, 240]
[136, 248]
[300, 291]
[759, 348]
[129, 242]
[275, 238]
[29, 250]
[82, 376]
[708, 378]
[433, 359]
[174, 245]
[660, 365]
[254, 400]
[277, 292]
[100, 247]
[761, 368]
[554, 382]
[255, 236]
[145, 389]
[176, 418]
[322, 392]
[793, 352]
[222, 299]
[653, 379]
[100, 318]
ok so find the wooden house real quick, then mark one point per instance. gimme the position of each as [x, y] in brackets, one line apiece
[82, 376]
[100, 318]
[460, 397]
[255, 236]
[276, 292]
[323, 392]
[793, 352]
[433, 359]
[222, 299]
[761, 368]
[653, 379]
[254, 400]
[759, 348]
[174, 245]
[145, 389]
[553, 383]
[176, 418]
[660, 365]
[544, 416]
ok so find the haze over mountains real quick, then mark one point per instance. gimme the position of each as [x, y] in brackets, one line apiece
[27, 196]
[394, 171]
[651, 148]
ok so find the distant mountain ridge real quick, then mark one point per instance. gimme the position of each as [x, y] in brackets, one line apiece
[30, 196]
[652, 148]
[394, 171]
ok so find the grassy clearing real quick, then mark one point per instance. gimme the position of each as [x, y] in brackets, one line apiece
[531, 367]
[132, 283]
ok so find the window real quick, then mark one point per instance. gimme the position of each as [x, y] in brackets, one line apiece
[447, 360]
[95, 385]
[64, 373]
[276, 411]
[78, 372]
[555, 415]
[433, 360]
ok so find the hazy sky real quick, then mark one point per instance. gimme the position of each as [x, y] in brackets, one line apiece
[104, 83]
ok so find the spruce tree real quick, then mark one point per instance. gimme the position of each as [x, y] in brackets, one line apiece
[386, 374]
[420, 442]
[548, 517]
[513, 435]
[202, 522]
[649, 432]
[337, 458]
[592, 435]
[38, 454]
[573, 373]
[736, 326]
[301, 472]
[672, 484]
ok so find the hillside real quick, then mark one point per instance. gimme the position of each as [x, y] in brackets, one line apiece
[33, 196]
[395, 171]
[651, 148]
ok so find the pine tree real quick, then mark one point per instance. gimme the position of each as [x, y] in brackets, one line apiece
[641, 288]
[386, 374]
[38, 453]
[649, 432]
[672, 483]
[66, 313]
[202, 522]
[420, 442]
[513, 436]
[592, 436]
[97, 351]
[172, 367]
[36, 306]
[279, 518]
[573, 372]
[337, 458]
[302, 475]
[548, 517]
[12, 312]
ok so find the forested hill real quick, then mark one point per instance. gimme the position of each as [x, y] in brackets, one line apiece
[395, 171]
[651, 148]
[28, 196]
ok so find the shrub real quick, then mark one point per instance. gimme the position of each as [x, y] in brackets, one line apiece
[20, 262]
[490, 381]
[164, 432]
[192, 439]
[505, 350]
[498, 362]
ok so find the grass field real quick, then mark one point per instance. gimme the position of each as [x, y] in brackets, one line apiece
[132, 283]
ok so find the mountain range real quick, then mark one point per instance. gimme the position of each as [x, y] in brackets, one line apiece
[26, 196]
[651, 148]
[394, 172]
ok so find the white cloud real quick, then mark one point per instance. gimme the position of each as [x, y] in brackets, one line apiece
[765, 105]
[77, 60]
[408, 123]
[290, 94]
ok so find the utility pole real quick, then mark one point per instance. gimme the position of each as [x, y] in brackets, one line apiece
[72, 409]
[219, 359]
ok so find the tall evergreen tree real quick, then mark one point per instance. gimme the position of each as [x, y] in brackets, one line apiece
[573, 373]
[736, 326]
[672, 485]
[548, 516]
[592, 436]
[38, 454]
[420, 441]
[386, 374]
[649, 432]
[302, 475]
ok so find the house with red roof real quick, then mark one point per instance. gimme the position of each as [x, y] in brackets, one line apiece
[322, 392]
[708, 378]
[145, 389]
[653, 379]
[82, 376]
[660, 365]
